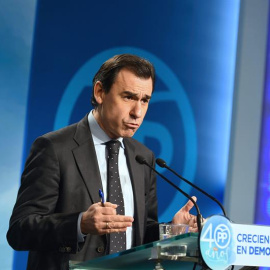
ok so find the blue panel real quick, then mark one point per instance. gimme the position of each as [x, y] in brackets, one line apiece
[193, 46]
[262, 214]
[262, 209]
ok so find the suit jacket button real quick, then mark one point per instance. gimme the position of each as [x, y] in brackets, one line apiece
[68, 249]
[100, 249]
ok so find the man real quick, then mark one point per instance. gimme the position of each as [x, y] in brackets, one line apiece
[58, 215]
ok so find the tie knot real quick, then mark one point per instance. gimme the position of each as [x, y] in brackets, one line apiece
[113, 147]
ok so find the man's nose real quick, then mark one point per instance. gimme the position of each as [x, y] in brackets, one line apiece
[136, 110]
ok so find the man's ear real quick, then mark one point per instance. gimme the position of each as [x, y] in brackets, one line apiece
[99, 92]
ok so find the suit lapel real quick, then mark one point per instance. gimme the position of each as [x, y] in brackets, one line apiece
[138, 185]
[86, 159]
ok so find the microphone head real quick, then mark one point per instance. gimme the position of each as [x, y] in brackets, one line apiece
[140, 159]
[161, 163]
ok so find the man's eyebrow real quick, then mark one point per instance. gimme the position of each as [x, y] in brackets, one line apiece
[132, 94]
[147, 96]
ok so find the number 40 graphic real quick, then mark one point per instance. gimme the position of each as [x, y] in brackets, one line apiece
[219, 236]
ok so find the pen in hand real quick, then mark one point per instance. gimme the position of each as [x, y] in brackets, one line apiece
[101, 196]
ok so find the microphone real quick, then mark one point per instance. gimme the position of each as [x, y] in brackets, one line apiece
[142, 160]
[163, 164]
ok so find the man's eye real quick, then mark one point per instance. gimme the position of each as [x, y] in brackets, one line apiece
[145, 100]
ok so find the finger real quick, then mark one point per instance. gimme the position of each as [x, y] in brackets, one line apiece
[114, 222]
[194, 225]
[108, 204]
[187, 207]
[192, 221]
[107, 211]
[107, 231]
[117, 225]
[191, 229]
[120, 218]
[99, 205]
[113, 227]
[117, 218]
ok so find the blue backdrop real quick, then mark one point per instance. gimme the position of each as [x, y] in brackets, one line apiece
[192, 45]
[262, 213]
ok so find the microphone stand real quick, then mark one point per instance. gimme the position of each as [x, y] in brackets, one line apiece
[163, 164]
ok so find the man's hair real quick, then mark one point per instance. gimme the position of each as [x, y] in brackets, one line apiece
[110, 69]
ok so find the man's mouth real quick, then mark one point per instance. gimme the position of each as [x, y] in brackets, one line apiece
[132, 125]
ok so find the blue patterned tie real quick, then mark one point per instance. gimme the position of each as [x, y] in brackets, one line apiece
[117, 241]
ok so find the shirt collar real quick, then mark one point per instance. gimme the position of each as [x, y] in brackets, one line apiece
[98, 134]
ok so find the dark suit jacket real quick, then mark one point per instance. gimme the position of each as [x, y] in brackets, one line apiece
[61, 179]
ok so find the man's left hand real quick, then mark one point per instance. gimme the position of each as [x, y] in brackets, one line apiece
[183, 216]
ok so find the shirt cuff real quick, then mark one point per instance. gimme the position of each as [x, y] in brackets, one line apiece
[80, 235]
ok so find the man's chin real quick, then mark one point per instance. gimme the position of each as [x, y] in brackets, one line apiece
[129, 133]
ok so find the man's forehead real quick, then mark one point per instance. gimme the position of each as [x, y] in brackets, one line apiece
[132, 83]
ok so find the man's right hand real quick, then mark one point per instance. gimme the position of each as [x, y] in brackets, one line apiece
[100, 220]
